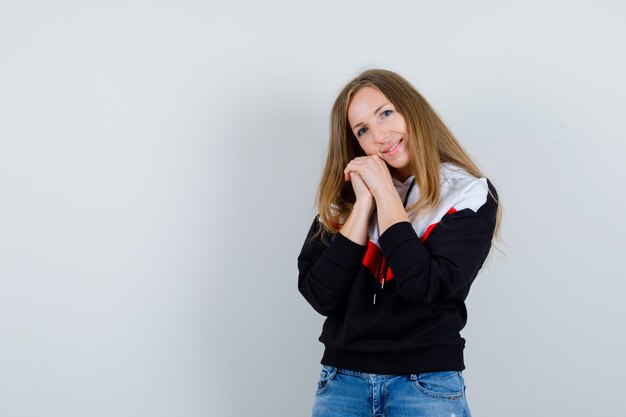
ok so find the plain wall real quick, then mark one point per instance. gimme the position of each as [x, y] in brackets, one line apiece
[158, 166]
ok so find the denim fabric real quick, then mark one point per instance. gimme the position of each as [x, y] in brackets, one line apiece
[342, 393]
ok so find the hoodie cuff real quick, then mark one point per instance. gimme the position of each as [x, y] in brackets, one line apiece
[345, 253]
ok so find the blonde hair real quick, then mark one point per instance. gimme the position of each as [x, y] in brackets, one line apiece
[429, 142]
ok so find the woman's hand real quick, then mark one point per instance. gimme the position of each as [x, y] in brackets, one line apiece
[362, 193]
[373, 171]
[355, 228]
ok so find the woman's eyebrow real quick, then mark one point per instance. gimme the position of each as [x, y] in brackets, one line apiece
[375, 111]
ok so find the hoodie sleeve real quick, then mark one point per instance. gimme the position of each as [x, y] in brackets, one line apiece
[447, 262]
[326, 272]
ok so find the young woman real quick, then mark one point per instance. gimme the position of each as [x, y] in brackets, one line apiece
[405, 223]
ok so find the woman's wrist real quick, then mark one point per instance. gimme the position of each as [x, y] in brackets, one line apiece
[357, 223]
[390, 210]
[385, 193]
[365, 204]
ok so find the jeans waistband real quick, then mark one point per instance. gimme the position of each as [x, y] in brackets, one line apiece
[359, 373]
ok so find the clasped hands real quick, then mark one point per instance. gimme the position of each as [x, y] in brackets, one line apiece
[370, 177]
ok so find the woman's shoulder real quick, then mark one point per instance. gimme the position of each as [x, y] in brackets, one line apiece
[463, 190]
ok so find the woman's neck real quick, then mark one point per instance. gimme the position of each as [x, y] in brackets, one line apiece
[401, 174]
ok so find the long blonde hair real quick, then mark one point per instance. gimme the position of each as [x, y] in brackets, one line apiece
[430, 143]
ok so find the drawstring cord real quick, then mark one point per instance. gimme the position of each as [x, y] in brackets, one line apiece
[382, 268]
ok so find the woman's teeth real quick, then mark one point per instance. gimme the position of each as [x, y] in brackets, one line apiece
[394, 146]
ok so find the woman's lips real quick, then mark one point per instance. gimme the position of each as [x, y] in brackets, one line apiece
[394, 148]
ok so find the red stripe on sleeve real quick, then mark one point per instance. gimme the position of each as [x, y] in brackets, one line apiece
[432, 226]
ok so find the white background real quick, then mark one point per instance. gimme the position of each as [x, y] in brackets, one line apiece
[158, 165]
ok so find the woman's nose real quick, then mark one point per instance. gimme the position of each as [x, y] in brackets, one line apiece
[380, 133]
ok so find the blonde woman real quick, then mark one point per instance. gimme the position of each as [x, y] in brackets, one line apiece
[406, 221]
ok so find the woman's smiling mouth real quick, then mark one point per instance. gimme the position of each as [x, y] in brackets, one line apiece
[393, 148]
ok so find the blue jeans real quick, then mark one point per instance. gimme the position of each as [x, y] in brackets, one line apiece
[342, 393]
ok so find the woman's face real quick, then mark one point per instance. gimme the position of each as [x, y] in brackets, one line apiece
[380, 130]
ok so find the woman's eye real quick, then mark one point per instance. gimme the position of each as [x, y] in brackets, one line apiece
[361, 131]
[387, 113]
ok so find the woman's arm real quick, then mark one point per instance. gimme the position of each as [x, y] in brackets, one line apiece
[326, 272]
[390, 209]
[446, 263]
[355, 227]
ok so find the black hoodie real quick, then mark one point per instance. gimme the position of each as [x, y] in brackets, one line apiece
[397, 304]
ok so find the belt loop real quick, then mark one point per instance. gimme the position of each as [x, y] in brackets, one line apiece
[413, 377]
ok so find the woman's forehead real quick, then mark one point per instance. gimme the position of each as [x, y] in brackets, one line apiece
[365, 103]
